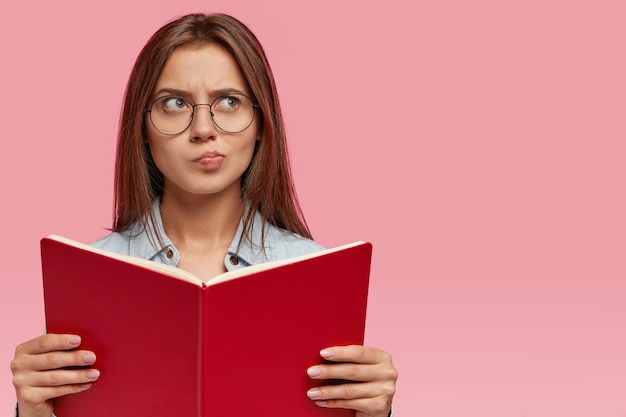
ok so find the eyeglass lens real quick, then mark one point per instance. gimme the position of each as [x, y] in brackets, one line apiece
[172, 115]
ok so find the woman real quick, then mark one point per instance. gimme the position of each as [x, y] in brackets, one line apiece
[203, 182]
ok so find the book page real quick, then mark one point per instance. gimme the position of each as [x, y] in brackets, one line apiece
[168, 270]
[181, 274]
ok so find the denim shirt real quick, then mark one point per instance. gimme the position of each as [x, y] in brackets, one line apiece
[278, 244]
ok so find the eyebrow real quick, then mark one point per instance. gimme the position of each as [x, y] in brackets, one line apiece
[213, 93]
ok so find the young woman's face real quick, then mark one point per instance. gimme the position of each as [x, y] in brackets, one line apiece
[203, 159]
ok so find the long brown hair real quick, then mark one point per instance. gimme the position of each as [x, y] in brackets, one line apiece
[267, 184]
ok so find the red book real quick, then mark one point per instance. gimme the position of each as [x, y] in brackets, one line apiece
[168, 344]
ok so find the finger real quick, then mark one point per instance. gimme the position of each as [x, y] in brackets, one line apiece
[35, 388]
[346, 371]
[52, 360]
[34, 396]
[57, 377]
[370, 406]
[355, 353]
[343, 391]
[63, 377]
[48, 343]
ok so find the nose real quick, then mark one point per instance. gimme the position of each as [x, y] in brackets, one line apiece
[202, 126]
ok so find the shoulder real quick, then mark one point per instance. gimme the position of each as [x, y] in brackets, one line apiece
[136, 241]
[114, 242]
[282, 244]
[261, 241]
[139, 239]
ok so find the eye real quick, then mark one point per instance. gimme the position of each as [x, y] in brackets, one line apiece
[227, 103]
[174, 104]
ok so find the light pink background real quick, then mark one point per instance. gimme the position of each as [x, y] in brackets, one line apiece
[478, 144]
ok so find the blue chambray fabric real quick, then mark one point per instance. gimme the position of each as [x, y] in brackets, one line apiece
[143, 243]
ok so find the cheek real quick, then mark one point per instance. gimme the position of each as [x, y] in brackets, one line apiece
[244, 143]
[158, 148]
[249, 150]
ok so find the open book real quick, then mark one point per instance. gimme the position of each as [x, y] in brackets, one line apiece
[169, 344]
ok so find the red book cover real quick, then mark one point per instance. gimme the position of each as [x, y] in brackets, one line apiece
[169, 344]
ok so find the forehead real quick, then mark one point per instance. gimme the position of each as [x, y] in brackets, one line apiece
[200, 69]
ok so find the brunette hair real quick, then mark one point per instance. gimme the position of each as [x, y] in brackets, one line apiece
[267, 185]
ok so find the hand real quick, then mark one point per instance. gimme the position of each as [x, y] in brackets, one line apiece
[38, 374]
[373, 375]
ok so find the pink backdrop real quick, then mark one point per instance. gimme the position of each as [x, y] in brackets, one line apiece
[479, 145]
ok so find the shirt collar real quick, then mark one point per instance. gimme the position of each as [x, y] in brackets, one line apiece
[251, 251]
[145, 243]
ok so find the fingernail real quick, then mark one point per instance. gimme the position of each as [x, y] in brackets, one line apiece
[327, 353]
[89, 357]
[93, 374]
[74, 340]
[314, 371]
[85, 386]
[321, 403]
[314, 393]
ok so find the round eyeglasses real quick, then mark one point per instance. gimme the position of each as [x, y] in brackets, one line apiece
[172, 115]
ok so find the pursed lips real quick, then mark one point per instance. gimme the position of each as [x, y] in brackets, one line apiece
[210, 158]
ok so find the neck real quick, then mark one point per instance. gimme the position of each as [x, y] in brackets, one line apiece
[201, 220]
